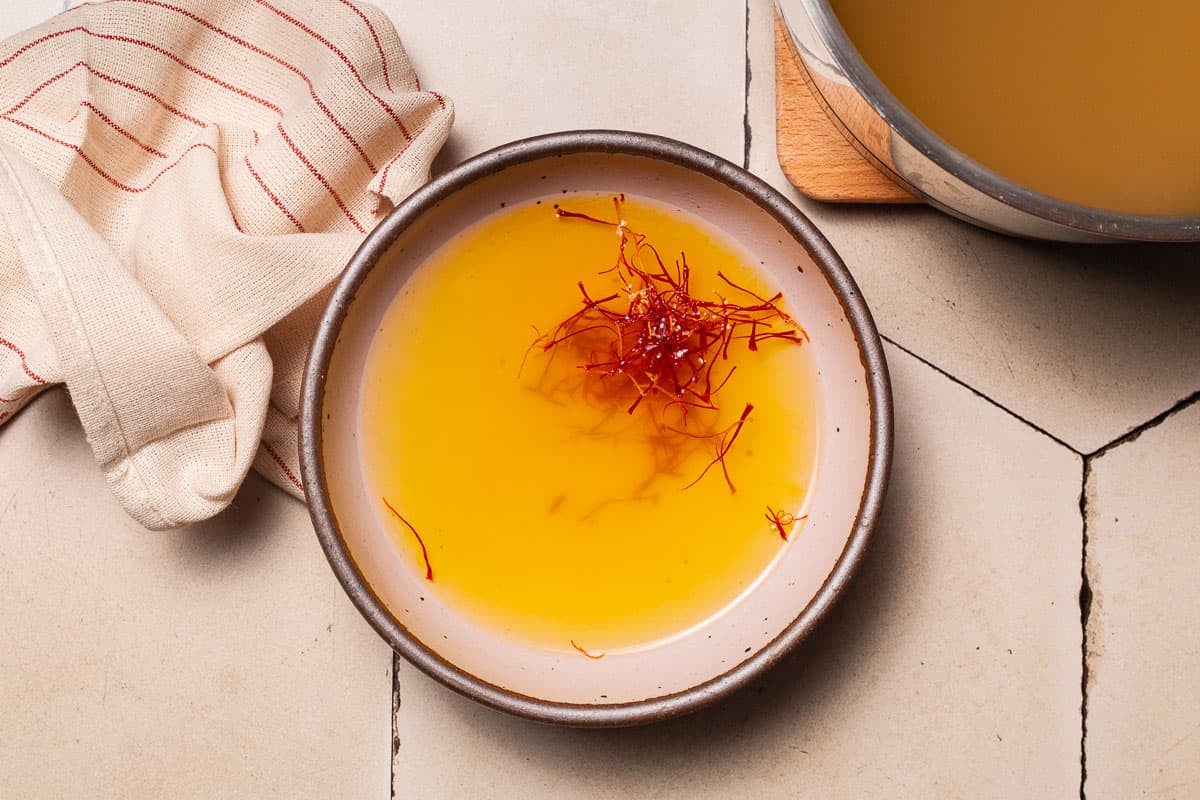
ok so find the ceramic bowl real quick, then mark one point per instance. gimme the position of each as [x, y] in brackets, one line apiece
[701, 664]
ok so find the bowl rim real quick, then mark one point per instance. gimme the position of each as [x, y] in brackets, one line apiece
[1076, 216]
[380, 239]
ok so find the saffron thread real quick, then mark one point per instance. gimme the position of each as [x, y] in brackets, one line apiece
[417, 536]
[579, 648]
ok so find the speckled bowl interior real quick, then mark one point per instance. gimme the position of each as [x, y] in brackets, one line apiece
[710, 659]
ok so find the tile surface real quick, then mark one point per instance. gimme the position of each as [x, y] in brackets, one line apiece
[221, 661]
[22, 14]
[225, 661]
[1144, 661]
[951, 669]
[520, 68]
[1056, 333]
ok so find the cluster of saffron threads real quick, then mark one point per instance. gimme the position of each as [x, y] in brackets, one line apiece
[665, 342]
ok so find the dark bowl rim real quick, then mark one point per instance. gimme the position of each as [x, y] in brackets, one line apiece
[377, 243]
[1086, 219]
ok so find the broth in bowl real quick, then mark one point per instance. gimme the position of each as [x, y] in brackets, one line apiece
[590, 423]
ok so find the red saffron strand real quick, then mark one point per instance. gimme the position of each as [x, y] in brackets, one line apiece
[744, 290]
[593, 656]
[562, 212]
[782, 520]
[420, 541]
[726, 443]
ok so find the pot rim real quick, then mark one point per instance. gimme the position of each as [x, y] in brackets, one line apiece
[376, 245]
[1135, 227]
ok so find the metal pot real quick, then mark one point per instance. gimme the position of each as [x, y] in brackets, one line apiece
[915, 157]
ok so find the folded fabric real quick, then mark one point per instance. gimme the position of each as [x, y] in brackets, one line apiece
[180, 182]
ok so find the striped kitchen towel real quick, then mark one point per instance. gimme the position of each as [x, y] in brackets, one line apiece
[180, 181]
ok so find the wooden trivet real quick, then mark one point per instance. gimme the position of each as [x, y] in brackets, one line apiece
[815, 155]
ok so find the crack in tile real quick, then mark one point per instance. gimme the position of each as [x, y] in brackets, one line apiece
[979, 394]
[1085, 613]
[1137, 431]
[1099, 452]
[746, 133]
[395, 731]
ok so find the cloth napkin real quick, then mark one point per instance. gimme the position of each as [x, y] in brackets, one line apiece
[180, 182]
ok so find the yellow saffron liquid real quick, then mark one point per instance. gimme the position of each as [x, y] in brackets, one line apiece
[549, 513]
[1092, 101]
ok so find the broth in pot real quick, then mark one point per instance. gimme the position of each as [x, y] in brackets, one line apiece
[1089, 102]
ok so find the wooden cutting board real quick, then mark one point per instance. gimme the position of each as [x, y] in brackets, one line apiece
[815, 155]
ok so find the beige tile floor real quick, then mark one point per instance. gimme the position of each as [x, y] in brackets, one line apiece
[225, 662]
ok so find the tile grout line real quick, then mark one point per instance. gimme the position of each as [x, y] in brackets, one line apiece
[394, 744]
[1085, 613]
[746, 135]
[1099, 452]
[1153, 422]
[979, 394]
